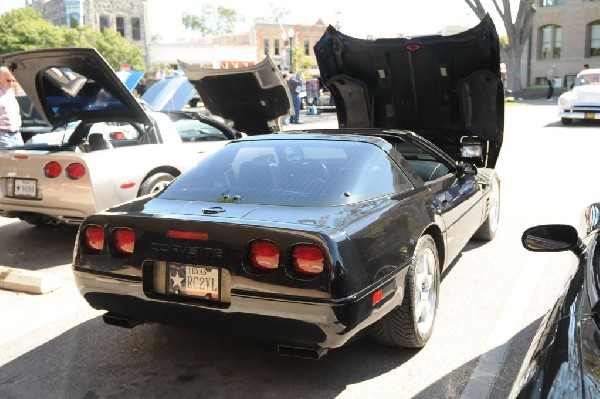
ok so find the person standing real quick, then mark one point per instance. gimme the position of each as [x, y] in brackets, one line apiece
[294, 85]
[550, 77]
[10, 113]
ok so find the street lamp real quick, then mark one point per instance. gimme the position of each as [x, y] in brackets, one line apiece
[291, 36]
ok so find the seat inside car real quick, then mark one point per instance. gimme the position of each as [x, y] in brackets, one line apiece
[258, 174]
[98, 142]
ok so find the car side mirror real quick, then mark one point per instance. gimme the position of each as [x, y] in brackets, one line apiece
[465, 168]
[552, 238]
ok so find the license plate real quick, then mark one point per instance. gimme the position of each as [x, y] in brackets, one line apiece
[195, 281]
[590, 115]
[25, 188]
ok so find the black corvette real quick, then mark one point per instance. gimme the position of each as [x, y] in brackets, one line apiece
[564, 358]
[309, 239]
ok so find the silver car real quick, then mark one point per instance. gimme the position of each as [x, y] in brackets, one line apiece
[119, 149]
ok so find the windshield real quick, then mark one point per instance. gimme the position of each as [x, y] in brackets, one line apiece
[587, 79]
[291, 173]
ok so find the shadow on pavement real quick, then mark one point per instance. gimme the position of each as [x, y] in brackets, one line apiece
[93, 360]
[28, 247]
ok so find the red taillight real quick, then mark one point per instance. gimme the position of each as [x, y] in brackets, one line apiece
[94, 238]
[52, 169]
[124, 240]
[264, 255]
[117, 136]
[308, 259]
[75, 171]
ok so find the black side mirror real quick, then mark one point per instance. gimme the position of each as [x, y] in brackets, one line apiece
[552, 238]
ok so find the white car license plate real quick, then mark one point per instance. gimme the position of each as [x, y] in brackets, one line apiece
[25, 188]
[196, 281]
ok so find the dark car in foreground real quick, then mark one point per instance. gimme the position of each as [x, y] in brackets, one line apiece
[310, 239]
[564, 358]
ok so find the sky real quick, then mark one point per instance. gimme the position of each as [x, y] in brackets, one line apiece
[381, 18]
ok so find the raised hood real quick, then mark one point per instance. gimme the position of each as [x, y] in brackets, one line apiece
[445, 88]
[70, 84]
[252, 97]
[169, 94]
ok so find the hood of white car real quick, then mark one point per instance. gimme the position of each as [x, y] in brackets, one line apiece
[70, 84]
[583, 95]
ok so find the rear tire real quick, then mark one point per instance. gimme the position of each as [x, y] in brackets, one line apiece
[155, 183]
[566, 121]
[487, 231]
[410, 325]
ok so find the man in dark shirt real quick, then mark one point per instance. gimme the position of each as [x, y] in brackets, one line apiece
[294, 85]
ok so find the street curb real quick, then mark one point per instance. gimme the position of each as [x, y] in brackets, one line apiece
[28, 281]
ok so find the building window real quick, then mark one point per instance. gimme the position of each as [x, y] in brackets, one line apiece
[549, 3]
[307, 46]
[266, 45]
[550, 43]
[121, 26]
[276, 46]
[135, 29]
[594, 41]
[104, 22]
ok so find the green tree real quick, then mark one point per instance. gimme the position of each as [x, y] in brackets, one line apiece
[211, 21]
[300, 63]
[25, 29]
[278, 14]
[517, 32]
[113, 47]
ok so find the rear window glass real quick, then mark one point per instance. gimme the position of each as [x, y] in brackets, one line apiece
[291, 173]
[68, 92]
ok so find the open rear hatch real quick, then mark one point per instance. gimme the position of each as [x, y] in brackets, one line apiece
[70, 84]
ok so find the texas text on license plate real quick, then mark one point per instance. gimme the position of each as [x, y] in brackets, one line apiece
[194, 281]
[25, 188]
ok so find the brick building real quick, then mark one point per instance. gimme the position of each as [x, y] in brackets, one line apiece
[275, 39]
[128, 17]
[565, 33]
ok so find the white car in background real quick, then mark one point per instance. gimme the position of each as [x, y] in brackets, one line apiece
[583, 100]
[118, 148]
